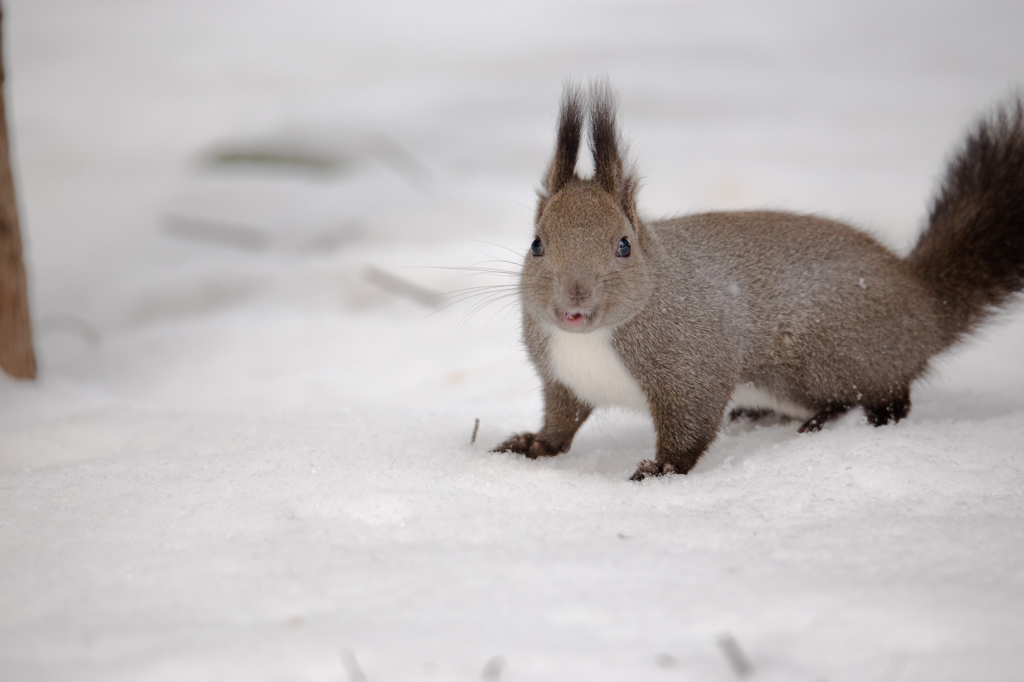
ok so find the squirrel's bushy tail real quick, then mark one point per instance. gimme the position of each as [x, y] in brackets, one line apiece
[971, 256]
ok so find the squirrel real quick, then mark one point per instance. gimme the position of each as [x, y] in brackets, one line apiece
[766, 311]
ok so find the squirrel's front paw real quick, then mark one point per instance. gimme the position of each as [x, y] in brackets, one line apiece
[648, 468]
[528, 444]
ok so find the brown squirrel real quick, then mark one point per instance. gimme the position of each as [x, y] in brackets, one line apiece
[768, 311]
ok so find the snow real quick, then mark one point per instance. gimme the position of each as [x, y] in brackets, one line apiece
[248, 453]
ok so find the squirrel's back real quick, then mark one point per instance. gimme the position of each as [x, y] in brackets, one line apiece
[809, 304]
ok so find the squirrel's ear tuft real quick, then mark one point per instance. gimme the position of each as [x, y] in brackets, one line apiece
[567, 149]
[609, 170]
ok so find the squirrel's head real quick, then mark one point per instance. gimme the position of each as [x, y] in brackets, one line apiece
[588, 266]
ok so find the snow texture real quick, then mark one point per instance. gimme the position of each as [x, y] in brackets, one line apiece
[248, 454]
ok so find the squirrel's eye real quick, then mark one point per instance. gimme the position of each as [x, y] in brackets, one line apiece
[623, 249]
[537, 248]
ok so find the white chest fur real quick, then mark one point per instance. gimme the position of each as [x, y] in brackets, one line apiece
[588, 365]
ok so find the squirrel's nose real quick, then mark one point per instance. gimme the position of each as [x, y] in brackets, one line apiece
[579, 294]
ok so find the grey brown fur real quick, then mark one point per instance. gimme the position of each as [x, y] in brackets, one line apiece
[812, 312]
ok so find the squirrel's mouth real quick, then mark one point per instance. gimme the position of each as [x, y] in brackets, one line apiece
[575, 319]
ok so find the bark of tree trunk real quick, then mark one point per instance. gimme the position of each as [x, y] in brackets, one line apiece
[16, 355]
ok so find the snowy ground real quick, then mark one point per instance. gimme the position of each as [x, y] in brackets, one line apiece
[248, 452]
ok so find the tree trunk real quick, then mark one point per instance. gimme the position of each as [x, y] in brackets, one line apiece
[16, 355]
